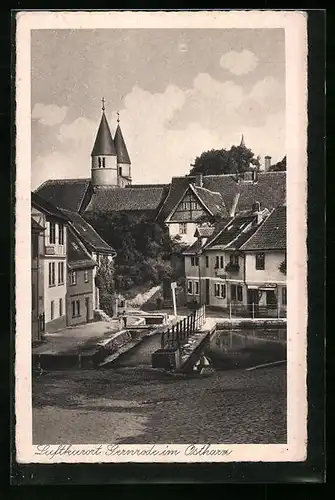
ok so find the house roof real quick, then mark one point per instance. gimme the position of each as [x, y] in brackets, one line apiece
[212, 200]
[204, 231]
[227, 236]
[128, 200]
[121, 148]
[271, 235]
[35, 226]
[104, 144]
[194, 248]
[269, 189]
[87, 233]
[46, 207]
[77, 256]
[65, 193]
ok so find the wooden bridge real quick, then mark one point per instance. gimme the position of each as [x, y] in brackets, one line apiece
[183, 343]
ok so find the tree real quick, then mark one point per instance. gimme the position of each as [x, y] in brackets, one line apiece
[221, 161]
[279, 167]
[104, 280]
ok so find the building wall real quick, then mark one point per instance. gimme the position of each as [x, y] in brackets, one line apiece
[37, 281]
[124, 170]
[54, 252]
[271, 272]
[80, 292]
[185, 238]
[104, 176]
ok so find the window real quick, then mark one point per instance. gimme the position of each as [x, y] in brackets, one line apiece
[195, 205]
[52, 309]
[220, 290]
[260, 261]
[120, 171]
[221, 262]
[233, 294]
[60, 307]
[61, 234]
[52, 236]
[217, 262]
[183, 228]
[51, 274]
[73, 305]
[78, 307]
[207, 261]
[239, 293]
[103, 162]
[190, 287]
[196, 288]
[233, 259]
[194, 261]
[73, 278]
[60, 273]
[284, 296]
[86, 276]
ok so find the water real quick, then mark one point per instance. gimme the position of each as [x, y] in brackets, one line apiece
[237, 348]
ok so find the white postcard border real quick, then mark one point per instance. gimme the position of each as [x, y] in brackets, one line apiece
[294, 24]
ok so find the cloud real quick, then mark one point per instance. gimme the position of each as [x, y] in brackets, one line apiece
[165, 131]
[239, 63]
[49, 114]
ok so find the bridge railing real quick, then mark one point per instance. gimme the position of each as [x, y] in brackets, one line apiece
[177, 335]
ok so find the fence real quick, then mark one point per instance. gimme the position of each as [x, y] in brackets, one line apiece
[255, 311]
[179, 333]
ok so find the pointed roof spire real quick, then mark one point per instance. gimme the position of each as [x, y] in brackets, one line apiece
[121, 148]
[104, 144]
[242, 143]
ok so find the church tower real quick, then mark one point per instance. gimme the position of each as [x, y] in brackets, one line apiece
[123, 160]
[104, 158]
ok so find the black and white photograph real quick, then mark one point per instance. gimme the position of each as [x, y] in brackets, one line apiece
[160, 236]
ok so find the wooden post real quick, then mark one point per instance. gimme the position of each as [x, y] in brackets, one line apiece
[253, 310]
[229, 310]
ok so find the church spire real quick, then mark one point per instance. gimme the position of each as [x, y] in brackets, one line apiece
[104, 144]
[120, 145]
[242, 143]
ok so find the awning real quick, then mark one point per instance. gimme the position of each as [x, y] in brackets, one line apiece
[263, 287]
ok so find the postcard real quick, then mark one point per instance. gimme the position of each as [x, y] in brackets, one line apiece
[161, 262]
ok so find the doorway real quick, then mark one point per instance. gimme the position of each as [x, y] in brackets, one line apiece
[253, 302]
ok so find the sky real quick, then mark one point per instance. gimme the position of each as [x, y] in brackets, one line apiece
[178, 92]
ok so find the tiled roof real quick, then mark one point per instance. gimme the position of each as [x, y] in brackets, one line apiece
[230, 232]
[35, 226]
[127, 200]
[271, 235]
[213, 201]
[65, 193]
[87, 233]
[121, 148]
[269, 189]
[193, 249]
[104, 144]
[46, 206]
[204, 231]
[77, 256]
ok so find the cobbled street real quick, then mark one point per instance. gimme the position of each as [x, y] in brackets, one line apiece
[138, 405]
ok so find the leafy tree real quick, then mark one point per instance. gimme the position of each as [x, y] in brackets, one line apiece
[104, 280]
[143, 247]
[221, 161]
[279, 167]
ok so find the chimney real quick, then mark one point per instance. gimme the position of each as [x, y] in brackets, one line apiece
[267, 163]
[198, 180]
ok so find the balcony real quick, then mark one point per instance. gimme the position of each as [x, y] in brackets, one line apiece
[232, 268]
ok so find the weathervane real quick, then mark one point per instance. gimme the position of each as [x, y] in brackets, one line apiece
[103, 104]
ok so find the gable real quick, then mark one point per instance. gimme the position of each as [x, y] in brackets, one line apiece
[188, 209]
